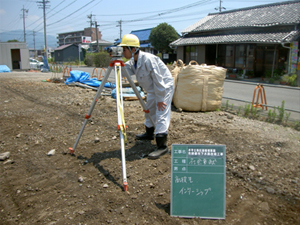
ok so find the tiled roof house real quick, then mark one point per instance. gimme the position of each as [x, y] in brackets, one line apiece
[258, 39]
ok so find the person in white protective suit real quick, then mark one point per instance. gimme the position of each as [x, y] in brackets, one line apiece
[155, 78]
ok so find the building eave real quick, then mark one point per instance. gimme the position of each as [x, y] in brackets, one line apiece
[266, 38]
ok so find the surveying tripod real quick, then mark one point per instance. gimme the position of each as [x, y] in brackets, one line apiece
[119, 68]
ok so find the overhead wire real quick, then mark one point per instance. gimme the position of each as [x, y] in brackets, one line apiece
[52, 14]
[72, 13]
[79, 18]
[169, 11]
[153, 15]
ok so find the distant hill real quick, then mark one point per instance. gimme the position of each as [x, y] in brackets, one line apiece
[39, 38]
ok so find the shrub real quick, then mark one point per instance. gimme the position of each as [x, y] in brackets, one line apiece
[285, 78]
[101, 59]
[88, 60]
[293, 80]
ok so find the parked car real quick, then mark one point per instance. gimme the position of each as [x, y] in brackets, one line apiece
[35, 64]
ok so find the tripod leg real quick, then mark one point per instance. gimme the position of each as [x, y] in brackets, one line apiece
[136, 92]
[88, 115]
[121, 121]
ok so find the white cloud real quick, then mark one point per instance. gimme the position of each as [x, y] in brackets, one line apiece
[2, 12]
[33, 18]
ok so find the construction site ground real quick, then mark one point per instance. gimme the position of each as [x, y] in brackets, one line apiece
[262, 160]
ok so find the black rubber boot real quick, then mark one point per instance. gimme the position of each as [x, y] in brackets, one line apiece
[148, 135]
[162, 148]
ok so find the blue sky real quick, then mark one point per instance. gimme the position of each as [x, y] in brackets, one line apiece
[72, 15]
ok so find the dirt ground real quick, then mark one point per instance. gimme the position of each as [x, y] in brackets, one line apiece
[262, 161]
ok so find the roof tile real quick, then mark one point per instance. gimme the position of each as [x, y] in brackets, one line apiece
[260, 16]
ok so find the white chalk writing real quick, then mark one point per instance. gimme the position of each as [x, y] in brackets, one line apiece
[183, 179]
[193, 161]
[180, 151]
[195, 191]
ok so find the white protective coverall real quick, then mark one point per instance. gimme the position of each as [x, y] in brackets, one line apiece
[156, 79]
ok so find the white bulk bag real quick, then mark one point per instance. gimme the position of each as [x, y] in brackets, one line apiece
[199, 88]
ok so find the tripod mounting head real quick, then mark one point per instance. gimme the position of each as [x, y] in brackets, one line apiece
[115, 51]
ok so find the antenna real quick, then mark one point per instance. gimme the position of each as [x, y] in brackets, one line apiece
[220, 7]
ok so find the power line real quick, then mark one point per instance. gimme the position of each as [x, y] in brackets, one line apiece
[169, 11]
[72, 13]
[61, 9]
[52, 14]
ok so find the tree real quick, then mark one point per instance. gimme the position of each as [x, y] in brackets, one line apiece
[161, 36]
[14, 40]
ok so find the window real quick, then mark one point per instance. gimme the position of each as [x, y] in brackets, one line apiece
[250, 57]
[190, 53]
[229, 57]
[240, 56]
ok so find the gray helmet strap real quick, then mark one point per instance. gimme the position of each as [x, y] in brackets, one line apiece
[136, 50]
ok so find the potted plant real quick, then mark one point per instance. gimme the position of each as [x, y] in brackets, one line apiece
[284, 79]
[293, 80]
[267, 75]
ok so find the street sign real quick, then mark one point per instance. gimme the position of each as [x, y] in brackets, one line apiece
[86, 39]
[198, 181]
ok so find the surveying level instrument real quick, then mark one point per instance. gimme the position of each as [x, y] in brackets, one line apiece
[115, 51]
[119, 68]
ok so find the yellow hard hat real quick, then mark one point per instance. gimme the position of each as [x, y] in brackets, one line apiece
[130, 40]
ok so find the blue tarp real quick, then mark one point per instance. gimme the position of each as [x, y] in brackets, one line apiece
[45, 66]
[4, 69]
[84, 77]
[127, 92]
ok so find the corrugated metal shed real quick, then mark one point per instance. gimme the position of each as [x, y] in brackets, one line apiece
[62, 47]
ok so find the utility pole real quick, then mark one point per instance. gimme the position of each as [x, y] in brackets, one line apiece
[24, 11]
[120, 25]
[96, 26]
[91, 24]
[220, 7]
[44, 2]
[91, 19]
[33, 33]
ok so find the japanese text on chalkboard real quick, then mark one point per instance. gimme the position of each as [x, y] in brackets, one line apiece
[196, 191]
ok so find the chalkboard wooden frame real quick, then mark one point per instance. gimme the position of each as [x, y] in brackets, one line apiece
[198, 181]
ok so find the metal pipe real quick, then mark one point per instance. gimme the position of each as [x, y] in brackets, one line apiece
[66, 38]
[291, 110]
[274, 61]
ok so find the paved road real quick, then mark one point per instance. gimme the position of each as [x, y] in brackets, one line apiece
[275, 94]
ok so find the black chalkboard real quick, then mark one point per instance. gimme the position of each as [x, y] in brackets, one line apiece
[198, 181]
